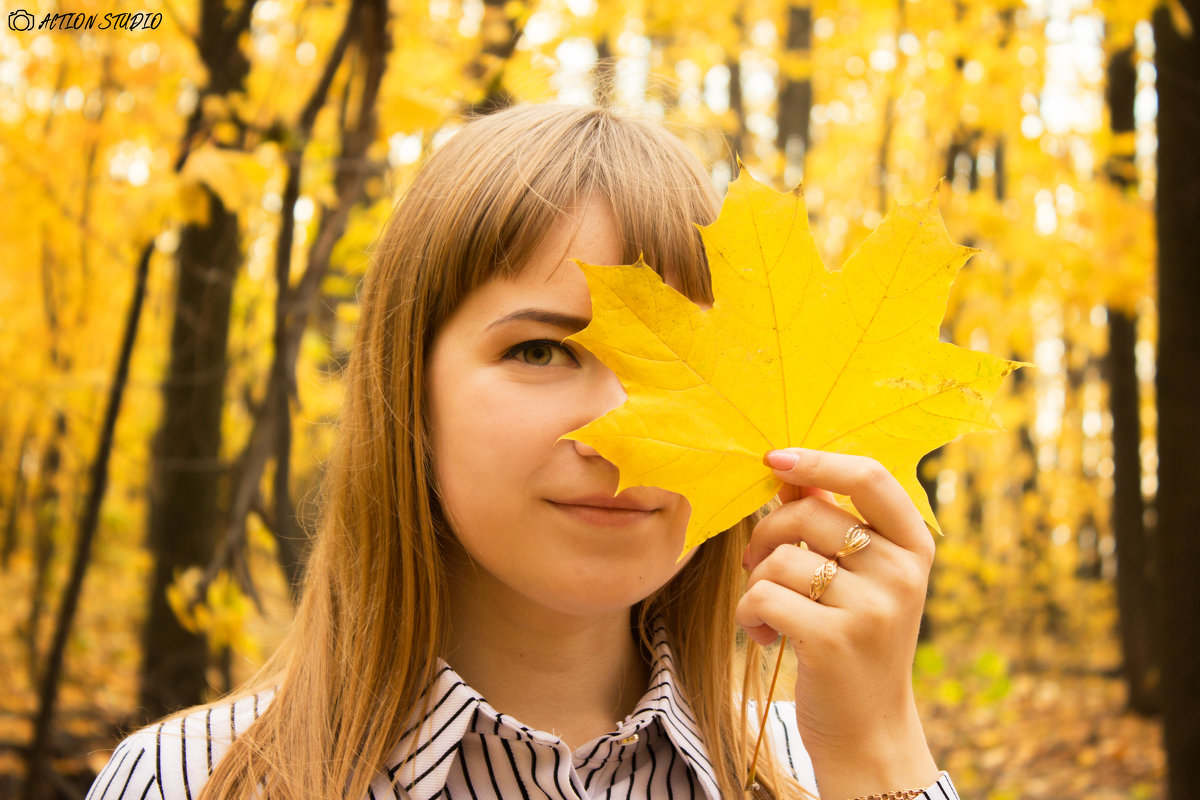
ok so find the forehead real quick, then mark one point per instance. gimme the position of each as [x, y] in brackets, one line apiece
[548, 280]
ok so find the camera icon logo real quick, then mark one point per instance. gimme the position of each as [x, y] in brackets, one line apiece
[20, 20]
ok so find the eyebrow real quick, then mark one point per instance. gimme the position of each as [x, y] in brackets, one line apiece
[565, 321]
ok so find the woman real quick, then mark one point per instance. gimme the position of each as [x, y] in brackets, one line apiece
[459, 526]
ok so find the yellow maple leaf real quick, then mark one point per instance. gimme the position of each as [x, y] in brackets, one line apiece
[236, 177]
[790, 354]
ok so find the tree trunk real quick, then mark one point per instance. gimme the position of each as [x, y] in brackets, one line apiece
[1178, 386]
[89, 522]
[604, 74]
[796, 95]
[46, 508]
[186, 474]
[366, 25]
[736, 137]
[186, 482]
[16, 501]
[499, 33]
[1135, 565]
[1135, 587]
[46, 513]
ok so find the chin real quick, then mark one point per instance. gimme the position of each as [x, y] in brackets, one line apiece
[591, 598]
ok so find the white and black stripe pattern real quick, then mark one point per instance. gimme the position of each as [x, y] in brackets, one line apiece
[463, 749]
[174, 758]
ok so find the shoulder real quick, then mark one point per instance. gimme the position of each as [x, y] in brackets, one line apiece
[173, 758]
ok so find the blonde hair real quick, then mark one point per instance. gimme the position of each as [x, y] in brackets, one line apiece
[371, 622]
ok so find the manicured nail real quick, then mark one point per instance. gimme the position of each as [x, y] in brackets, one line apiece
[781, 459]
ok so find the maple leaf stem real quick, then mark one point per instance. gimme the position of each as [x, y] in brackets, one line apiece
[766, 710]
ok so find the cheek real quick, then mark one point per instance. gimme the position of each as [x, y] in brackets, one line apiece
[489, 437]
[489, 418]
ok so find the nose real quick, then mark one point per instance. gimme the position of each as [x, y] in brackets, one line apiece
[603, 393]
[585, 450]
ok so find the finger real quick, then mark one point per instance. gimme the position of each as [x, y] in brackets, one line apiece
[791, 492]
[796, 568]
[874, 491]
[813, 520]
[768, 609]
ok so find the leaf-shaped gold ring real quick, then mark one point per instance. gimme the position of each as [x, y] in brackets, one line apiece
[858, 537]
[822, 578]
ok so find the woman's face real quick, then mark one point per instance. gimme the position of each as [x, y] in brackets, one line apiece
[536, 514]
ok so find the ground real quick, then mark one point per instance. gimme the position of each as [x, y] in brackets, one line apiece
[1064, 736]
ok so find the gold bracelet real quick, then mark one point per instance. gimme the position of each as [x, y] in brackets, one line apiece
[899, 794]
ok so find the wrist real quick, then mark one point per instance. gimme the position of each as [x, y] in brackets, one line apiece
[897, 759]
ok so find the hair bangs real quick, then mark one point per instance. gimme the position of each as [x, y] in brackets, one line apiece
[506, 178]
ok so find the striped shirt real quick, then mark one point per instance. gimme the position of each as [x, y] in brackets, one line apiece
[463, 748]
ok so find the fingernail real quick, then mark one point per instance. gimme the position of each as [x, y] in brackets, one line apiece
[746, 558]
[780, 459]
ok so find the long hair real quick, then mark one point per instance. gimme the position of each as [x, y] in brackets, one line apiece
[371, 621]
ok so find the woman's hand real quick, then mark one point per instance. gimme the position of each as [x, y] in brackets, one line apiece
[855, 645]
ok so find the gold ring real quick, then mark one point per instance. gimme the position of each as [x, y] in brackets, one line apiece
[822, 578]
[858, 537]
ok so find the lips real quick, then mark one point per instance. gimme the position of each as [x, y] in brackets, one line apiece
[622, 502]
[605, 511]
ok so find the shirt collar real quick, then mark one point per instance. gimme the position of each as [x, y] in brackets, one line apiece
[421, 762]
[666, 701]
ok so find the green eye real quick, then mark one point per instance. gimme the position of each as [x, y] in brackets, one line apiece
[542, 353]
[539, 355]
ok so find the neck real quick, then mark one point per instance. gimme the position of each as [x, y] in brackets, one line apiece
[574, 676]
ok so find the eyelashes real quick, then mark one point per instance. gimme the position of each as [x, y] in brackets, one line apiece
[542, 353]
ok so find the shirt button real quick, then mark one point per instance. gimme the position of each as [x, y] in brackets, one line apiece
[630, 739]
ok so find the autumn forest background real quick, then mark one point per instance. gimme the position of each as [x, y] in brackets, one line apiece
[187, 211]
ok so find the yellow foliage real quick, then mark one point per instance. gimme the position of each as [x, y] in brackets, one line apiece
[237, 178]
[180, 595]
[222, 616]
[415, 109]
[795, 66]
[904, 94]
